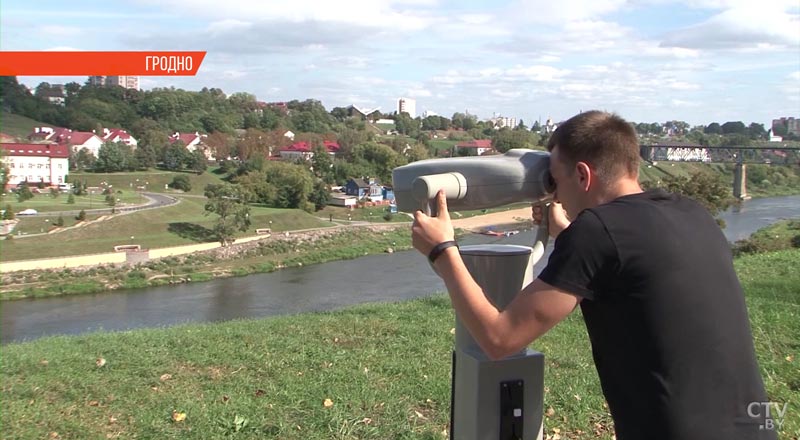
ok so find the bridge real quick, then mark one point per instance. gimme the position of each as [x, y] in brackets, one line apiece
[740, 156]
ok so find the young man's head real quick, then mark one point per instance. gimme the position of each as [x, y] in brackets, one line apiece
[594, 155]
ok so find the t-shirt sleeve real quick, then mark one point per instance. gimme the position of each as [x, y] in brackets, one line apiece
[582, 255]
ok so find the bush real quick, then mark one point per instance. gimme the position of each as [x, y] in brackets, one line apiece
[182, 183]
[24, 193]
[59, 221]
[71, 199]
[8, 214]
[81, 216]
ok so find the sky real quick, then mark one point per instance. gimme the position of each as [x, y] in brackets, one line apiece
[698, 61]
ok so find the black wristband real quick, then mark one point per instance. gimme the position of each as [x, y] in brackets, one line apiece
[439, 248]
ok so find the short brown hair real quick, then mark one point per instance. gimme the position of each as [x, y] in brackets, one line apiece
[605, 141]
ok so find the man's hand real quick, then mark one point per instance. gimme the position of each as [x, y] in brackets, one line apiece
[427, 232]
[557, 221]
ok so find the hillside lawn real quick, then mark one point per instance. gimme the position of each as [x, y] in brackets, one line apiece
[184, 223]
[19, 126]
[371, 371]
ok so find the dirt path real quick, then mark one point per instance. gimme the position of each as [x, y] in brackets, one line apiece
[520, 217]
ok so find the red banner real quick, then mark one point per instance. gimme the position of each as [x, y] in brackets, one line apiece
[79, 63]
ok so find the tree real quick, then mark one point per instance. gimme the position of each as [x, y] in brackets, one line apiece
[229, 202]
[145, 156]
[713, 128]
[82, 159]
[59, 221]
[81, 216]
[521, 125]
[175, 156]
[196, 161]
[505, 139]
[756, 131]
[24, 193]
[320, 195]
[536, 127]
[736, 127]
[321, 163]
[220, 144]
[181, 182]
[709, 189]
[54, 193]
[8, 213]
[110, 158]
[339, 113]
[71, 199]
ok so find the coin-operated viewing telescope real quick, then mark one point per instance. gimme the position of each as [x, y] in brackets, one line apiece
[499, 399]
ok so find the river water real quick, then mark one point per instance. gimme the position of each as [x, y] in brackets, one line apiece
[378, 278]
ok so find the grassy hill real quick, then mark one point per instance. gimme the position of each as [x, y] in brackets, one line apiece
[184, 223]
[155, 179]
[17, 125]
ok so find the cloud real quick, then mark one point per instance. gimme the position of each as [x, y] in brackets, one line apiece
[682, 103]
[548, 12]
[387, 14]
[419, 93]
[60, 31]
[63, 49]
[349, 62]
[534, 73]
[751, 27]
[238, 37]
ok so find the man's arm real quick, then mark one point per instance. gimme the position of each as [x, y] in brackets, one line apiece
[534, 311]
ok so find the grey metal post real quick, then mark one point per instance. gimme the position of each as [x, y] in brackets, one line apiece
[500, 399]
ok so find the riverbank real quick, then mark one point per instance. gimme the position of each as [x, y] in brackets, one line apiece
[375, 371]
[246, 257]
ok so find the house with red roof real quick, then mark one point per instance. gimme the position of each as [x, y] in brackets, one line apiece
[193, 141]
[76, 140]
[34, 163]
[120, 136]
[476, 147]
[303, 150]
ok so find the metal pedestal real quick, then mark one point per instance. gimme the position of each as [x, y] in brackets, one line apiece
[501, 399]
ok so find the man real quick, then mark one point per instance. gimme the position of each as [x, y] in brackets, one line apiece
[653, 275]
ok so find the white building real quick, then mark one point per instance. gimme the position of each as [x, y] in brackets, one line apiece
[129, 82]
[120, 136]
[76, 140]
[503, 122]
[34, 163]
[407, 105]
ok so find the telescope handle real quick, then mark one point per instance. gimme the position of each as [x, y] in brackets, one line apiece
[542, 234]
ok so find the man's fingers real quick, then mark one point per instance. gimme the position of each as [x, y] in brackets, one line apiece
[441, 200]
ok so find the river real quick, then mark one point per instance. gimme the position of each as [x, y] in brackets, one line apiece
[377, 278]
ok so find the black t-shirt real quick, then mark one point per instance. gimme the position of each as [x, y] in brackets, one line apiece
[666, 318]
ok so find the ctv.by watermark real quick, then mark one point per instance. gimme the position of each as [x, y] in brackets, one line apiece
[773, 414]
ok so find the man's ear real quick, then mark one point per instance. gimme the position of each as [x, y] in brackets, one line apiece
[585, 175]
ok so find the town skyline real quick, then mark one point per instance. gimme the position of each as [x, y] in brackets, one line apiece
[698, 61]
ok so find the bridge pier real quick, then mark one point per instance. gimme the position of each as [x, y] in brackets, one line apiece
[740, 181]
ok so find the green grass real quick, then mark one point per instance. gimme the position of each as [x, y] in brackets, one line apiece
[18, 126]
[44, 202]
[152, 180]
[184, 223]
[778, 236]
[384, 367]
[442, 144]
